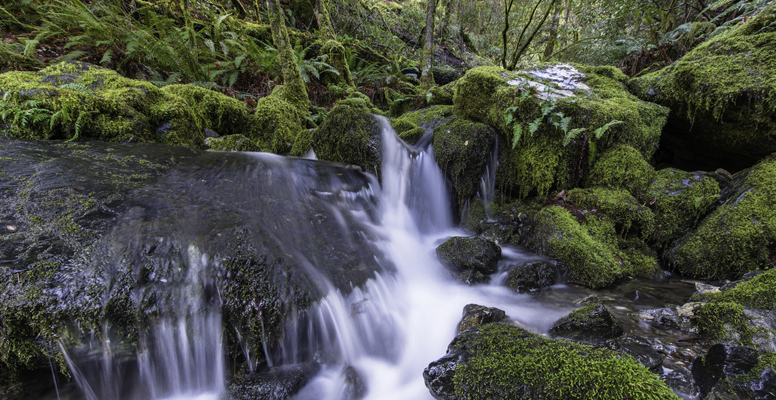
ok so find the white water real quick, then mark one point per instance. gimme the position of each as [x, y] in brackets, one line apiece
[406, 321]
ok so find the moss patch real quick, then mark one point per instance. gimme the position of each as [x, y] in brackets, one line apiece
[350, 135]
[232, 143]
[738, 236]
[621, 167]
[629, 217]
[509, 362]
[214, 111]
[276, 122]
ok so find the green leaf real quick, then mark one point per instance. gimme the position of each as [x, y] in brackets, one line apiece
[534, 126]
[600, 131]
[106, 57]
[571, 135]
[517, 132]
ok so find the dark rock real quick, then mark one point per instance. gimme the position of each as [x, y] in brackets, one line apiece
[680, 380]
[592, 322]
[472, 277]
[355, 389]
[532, 276]
[475, 315]
[462, 253]
[445, 76]
[735, 372]
[640, 349]
[745, 278]
[673, 317]
[277, 384]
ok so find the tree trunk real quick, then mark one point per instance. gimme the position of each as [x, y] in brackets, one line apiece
[427, 75]
[295, 90]
[507, 9]
[553, 33]
[324, 21]
[522, 45]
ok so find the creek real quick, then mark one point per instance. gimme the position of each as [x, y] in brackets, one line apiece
[372, 337]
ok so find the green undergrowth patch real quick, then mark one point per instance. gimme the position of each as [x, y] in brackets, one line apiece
[621, 167]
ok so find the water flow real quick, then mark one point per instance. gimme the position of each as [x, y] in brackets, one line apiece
[393, 328]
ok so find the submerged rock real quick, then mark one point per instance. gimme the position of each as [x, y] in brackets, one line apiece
[593, 322]
[503, 360]
[280, 383]
[461, 254]
[532, 276]
[721, 98]
[729, 372]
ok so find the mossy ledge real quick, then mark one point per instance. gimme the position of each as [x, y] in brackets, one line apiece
[500, 360]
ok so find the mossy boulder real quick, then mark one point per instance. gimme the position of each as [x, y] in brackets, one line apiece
[593, 322]
[475, 315]
[679, 199]
[629, 217]
[503, 360]
[430, 117]
[461, 149]
[350, 135]
[442, 95]
[721, 96]
[276, 122]
[461, 254]
[621, 167]
[74, 100]
[552, 119]
[407, 131]
[739, 235]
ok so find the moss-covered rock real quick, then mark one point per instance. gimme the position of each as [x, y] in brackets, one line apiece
[462, 254]
[739, 235]
[735, 372]
[621, 167]
[629, 217]
[72, 100]
[508, 362]
[679, 199]
[592, 322]
[407, 131]
[461, 149]
[558, 234]
[441, 95]
[350, 135]
[232, 143]
[276, 123]
[429, 118]
[721, 96]
[547, 119]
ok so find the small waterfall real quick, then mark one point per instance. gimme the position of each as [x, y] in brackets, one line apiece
[488, 180]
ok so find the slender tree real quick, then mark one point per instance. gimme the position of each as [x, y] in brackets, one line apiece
[295, 91]
[427, 74]
[553, 36]
[323, 18]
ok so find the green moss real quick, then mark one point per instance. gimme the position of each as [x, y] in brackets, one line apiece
[429, 117]
[276, 123]
[721, 93]
[757, 293]
[725, 321]
[508, 362]
[678, 199]
[214, 111]
[232, 143]
[738, 236]
[589, 261]
[349, 135]
[461, 149]
[442, 95]
[619, 206]
[621, 167]
[407, 131]
[336, 57]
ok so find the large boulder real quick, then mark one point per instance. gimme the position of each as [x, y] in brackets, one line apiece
[501, 360]
[739, 235]
[621, 167]
[532, 276]
[553, 118]
[115, 238]
[74, 100]
[721, 96]
[350, 135]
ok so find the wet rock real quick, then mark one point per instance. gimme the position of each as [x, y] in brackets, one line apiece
[462, 253]
[680, 380]
[472, 277]
[640, 349]
[590, 323]
[532, 276]
[232, 143]
[475, 315]
[735, 372]
[745, 278]
[504, 360]
[277, 384]
[677, 317]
